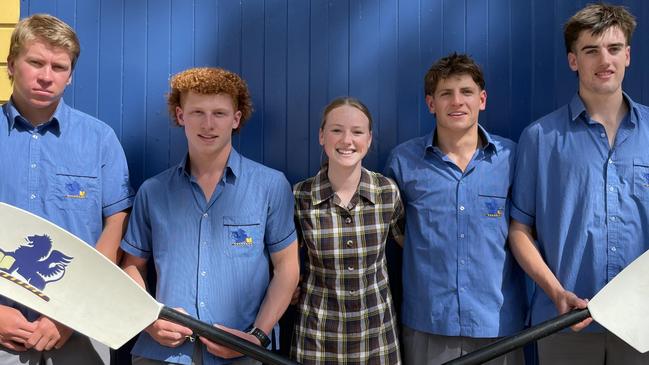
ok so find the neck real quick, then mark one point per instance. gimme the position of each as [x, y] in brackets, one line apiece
[344, 180]
[463, 143]
[208, 165]
[611, 108]
[36, 116]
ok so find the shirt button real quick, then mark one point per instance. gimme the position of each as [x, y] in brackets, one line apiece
[461, 262]
[461, 207]
[33, 196]
[202, 304]
[603, 135]
[350, 268]
[350, 243]
[348, 220]
[203, 273]
[613, 249]
[610, 188]
[461, 235]
[610, 160]
[35, 136]
[462, 289]
[613, 219]
[33, 166]
[205, 215]
[352, 292]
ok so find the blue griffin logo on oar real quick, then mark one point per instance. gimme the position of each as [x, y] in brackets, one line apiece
[34, 264]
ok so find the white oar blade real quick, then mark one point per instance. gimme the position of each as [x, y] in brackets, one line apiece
[53, 272]
[622, 306]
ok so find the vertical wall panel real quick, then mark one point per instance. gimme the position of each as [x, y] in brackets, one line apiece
[297, 55]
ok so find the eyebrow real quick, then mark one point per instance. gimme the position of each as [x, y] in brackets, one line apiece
[592, 46]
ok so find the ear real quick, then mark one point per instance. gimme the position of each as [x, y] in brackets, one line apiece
[321, 136]
[180, 116]
[572, 61]
[430, 102]
[628, 55]
[10, 66]
[483, 99]
[237, 120]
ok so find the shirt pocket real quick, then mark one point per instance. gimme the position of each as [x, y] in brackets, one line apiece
[244, 236]
[75, 190]
[641, 178]
[492, 207]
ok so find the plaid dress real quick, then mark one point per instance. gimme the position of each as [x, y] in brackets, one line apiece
[346, 315]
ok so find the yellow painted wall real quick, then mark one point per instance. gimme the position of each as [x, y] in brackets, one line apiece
[9, 15]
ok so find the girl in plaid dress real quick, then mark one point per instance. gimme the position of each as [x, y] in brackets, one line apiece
[344, 215]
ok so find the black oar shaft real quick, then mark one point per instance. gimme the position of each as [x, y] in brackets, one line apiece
[224, 338]
[507, 344]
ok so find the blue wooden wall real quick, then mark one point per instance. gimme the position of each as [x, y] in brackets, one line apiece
[296, 55]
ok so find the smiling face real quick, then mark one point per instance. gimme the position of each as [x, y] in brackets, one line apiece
[209, 120]
[40, 74]
[345, 136]
[456, 103]
[600, 61]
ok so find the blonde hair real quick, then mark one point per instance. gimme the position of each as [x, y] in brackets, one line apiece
[210, 80]
[45, 28]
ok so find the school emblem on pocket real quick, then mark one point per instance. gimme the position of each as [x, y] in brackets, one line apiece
[493, 210]
[645, 176]
[75, 190]
[241, 238]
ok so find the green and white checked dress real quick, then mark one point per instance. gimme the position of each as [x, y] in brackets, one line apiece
[346, 314]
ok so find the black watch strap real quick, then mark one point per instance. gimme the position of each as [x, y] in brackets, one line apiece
[261, 336]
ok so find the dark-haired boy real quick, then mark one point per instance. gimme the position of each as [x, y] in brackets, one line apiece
[581, 189]
[461, 286]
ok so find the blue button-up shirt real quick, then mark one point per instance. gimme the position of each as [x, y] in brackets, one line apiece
[70, 170]
[459, 278]
[211, 257]
[588, 202]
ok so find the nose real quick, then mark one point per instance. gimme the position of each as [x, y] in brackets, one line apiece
[347, 137]
[45, 74]
[457, 98]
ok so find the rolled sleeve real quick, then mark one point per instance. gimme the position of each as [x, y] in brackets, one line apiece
[117, 193]
[280, 225]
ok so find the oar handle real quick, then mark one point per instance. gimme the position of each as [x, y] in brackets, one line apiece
[224, 338]
[507, 344]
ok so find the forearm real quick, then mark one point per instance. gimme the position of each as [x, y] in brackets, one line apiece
[111, 236]
[280, 290]
[522, 245]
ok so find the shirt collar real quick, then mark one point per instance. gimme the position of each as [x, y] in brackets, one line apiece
[578, 109]
[488, 145]
[16, 120]
[232, 166]
[321, 189]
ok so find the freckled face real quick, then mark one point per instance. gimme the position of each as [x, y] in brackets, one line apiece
[209, 120]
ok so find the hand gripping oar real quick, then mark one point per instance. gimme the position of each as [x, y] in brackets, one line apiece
[622, 307]
[53, 272]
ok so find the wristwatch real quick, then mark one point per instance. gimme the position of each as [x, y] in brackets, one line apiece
[261, 336]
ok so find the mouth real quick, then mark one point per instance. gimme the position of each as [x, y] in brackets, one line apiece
[605, 74]
[41, 92]
[208, 137]
[345, 151]
[456, 114]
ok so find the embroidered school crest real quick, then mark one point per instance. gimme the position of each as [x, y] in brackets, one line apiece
[645, 177]
[241, 238]
[75, 190]
[493, 210]
[34, 264]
